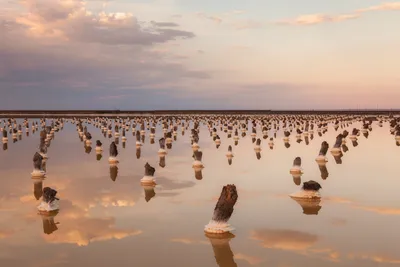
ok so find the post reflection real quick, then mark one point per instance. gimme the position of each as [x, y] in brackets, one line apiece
[49, 225]
[223, 254]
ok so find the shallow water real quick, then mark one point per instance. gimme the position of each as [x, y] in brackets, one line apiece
[102, 221]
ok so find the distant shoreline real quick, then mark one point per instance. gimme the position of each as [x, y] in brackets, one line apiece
[59, 113]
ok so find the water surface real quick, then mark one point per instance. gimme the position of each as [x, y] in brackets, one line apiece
[102, 221]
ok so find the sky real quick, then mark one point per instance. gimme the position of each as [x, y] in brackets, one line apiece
[191, 54]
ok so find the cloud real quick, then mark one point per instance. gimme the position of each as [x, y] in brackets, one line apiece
[248, 24]
[213, 18]
[72, 21]
[383, 6]
[229, 18]
[61, 50]
[165, 24]
[314, 19]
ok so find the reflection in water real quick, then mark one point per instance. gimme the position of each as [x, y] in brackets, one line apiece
[49, 226]
[345, 148]
[354, 142]
[38, 187]
[44, 165]
[88, 149]
[323, 170]
[162, 161]
[338, 158]
[93, 207]
[297, 179]
[138, 152]
[198, 173]
[149, 192]
[310, 206]
[113, 172]
[222, 250]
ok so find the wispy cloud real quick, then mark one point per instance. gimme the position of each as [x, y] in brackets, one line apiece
[248, 24]
[213, 18]
[383, 6]
[313, 19]
[317, 19]
[165, 24]
[238, 12]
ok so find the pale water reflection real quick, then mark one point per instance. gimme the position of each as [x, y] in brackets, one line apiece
[107, 216]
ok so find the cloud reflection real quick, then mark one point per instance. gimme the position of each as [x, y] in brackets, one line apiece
[77, 227]
[284, 239]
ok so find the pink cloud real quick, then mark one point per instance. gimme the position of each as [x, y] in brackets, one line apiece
[317, 19]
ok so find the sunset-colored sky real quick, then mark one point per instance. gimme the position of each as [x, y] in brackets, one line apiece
[191, 54]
